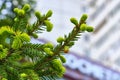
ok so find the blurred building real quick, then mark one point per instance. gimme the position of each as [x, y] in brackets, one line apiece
[83, 68]
[104, 43]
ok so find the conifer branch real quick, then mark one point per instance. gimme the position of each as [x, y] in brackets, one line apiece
[19, 57]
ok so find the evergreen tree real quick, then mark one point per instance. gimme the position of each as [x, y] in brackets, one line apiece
[22, 60]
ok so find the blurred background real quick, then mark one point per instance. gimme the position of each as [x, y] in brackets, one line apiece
[96, 56]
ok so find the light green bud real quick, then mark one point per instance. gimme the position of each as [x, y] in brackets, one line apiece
[57, 66]
[56, 63]
[74, 21]
[38, 14]
[89, 29]
[48, 51]
[49, 45]
[83, 27]
[21, 12]
[3, 53]
[84, 17]
[16, 10]
[49, 25]
[51, 53]
[23, 75]
[62, 58]
[49, 13]
[16, 19]
[34, 35]
[1, 46]
[60, 39]
[26, 7]
[4, 79]
[66, 49]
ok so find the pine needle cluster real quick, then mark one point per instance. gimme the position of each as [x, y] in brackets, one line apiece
[22, 60]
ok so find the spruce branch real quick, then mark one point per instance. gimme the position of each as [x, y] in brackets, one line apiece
[66, 42]
[44, 61]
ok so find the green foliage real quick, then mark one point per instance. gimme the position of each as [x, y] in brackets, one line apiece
[13, 4]
[3, 53]
[20, 39]
[8, 18]
[22, 60]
